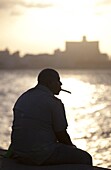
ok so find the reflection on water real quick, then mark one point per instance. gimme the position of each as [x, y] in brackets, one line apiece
[88, 108]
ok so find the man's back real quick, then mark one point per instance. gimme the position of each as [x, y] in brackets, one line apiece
[34, 116]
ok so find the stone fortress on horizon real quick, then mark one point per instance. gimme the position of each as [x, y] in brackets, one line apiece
[77, 55]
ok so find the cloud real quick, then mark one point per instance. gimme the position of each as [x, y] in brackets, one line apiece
[103, 7]
[103, 3]
[17, 7]
[21, 3]
[4, 4]
[37, 5]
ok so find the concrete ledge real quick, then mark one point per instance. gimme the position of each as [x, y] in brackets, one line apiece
[9, 164]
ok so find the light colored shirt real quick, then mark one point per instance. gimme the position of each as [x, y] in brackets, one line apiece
[38, 114]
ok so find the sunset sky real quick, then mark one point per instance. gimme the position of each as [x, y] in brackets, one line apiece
[41, 26]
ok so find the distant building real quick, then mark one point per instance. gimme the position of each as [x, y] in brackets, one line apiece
[85, 51]
[82, 54]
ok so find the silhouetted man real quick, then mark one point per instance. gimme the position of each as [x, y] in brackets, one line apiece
[39, 132]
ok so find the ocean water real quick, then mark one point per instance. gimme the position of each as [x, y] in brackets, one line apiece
[88, 107]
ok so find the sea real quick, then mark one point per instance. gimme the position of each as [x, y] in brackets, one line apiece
[88, 107]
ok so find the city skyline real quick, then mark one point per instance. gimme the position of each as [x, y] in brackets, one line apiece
[77, 55]
[43, 26]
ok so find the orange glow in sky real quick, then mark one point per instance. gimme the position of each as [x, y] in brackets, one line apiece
[35, 26]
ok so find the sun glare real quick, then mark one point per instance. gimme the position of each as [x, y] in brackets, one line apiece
[81, 93]
[64, 21]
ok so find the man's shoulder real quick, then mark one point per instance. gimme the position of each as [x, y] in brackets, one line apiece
[57, 100]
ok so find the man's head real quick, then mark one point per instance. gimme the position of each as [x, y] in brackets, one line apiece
[50, 78]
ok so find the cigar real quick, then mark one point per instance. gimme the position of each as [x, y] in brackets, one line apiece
[66, 91]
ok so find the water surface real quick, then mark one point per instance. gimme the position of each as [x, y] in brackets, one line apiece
[88, 108]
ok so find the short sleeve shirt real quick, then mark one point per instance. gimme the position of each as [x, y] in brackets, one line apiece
[38, 114]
